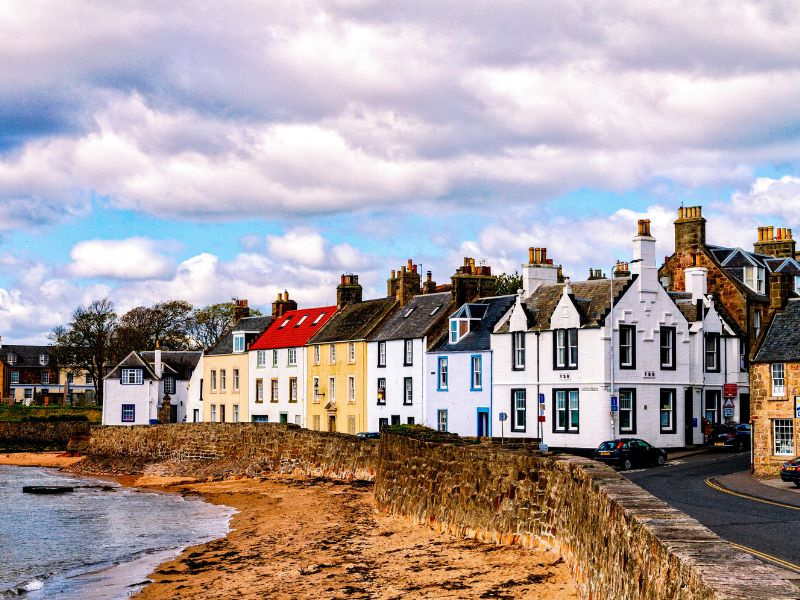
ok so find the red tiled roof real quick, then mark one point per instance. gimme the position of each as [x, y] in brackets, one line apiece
[297, 331]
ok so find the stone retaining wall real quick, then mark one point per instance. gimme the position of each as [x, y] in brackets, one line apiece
[17, 436]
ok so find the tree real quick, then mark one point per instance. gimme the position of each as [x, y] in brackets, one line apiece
[207, 324]
[165, 322]
[508, 284]
[86, 343]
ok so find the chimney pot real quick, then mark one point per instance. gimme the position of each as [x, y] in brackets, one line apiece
[429, 276]
[788, 234]
[530, 255]
[544, 255]
[770, 233]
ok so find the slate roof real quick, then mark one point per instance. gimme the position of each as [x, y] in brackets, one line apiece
[133, 360]
[253, 325]
[27, 356]
[782, 340]
[418, 318]
[492, 310]
[734, 261]
[591, 299]
[295, 332]
[355, 321]
[181, 362]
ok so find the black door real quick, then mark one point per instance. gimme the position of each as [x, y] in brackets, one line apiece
[744, 408]
[688, 417]
[395, 419]
[173, 413]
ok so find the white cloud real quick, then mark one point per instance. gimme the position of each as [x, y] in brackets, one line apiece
[132, 258]
[771, 197]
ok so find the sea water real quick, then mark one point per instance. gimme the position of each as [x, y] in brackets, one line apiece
[92, 543]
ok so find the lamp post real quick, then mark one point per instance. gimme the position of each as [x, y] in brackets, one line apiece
[611, 333]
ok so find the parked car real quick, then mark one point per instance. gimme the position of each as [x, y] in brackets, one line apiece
[731, 436]
[627, 453]
[791, 471]
[368, 435]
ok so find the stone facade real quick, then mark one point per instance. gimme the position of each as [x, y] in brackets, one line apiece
[766, 408]
[15, 436]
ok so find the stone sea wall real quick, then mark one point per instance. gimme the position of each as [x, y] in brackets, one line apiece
[17, 436]
[619, 541]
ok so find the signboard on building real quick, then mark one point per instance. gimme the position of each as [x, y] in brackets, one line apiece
[727, 412]
[797, 407]
[729, 390]
[614, 404]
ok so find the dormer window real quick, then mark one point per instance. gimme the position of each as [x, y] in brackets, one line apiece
[458, 329]
[238, 342]
[755, 278]
[797, 284]
[44, 359]
[11, 358]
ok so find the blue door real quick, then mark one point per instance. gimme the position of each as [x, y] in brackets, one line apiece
[483, 423]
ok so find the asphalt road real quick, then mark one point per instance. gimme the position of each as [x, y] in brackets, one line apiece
[769, 529]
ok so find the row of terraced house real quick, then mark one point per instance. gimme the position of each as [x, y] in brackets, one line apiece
[650, 351]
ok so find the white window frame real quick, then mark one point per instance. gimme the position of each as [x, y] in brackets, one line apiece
[518, 343]
[783, 437]
[274, 390]
[44, 359]
[274, 358]
[213, 413]
[292, 357]
[351, 352]
[238, 343]
[11, 358]
[626, 346]
[627, 406]
[565, 403]
[476, 368]
[441, 419]
[381, 398]
[14, 376]
[332, 354]
[261, 358]
[236, 380]
[778, 378]
[381, 354]
[130, 409]
[519, 410]
[316, 354]
[235, 413]
[755, 278]
[132, 377]
[170, 385]
[332, 389]
[259, 390]
[315, 389]
[442, 373]
[223, 380]
[756, 322]
[293, 389]
[45, 377]
[213, 380]
[408, 353]
[351, 388]
[408, 391]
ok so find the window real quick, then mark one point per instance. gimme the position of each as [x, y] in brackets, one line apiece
[778, 379]
[14, 376]
[518, 349]
[783, 436]
[223, 380]
[381, 354]
[754, 278]
[756, 323]
[453, 331]
[566, 411]
[315, 421]
[169, 386]
[131, 377]
[128, 413]
[627, 411]
[236, 380]
[381, 390]
[333, 354]
[410, 420]
[88, 379]
[627, 346]
[667, 343]
[667, 411]
[285, 322]
[351, 389]
[274, 358]
[292, 358]
[408, 312]
[408, 354]
[351, 425]
[315, 388]
[70, 377]
[259, 390]
[711, 410]
[44, 359]
[442, 378]
[395, 419]
[351, 352]
[213, 381]
[712, 352]
[235, 413]
[11, 358]
[293, 389]
[300, 322]
[565, 348]
[458, 329]
[261, 358]
[273, 390]
[319, 318]
[28, 394]
[476, 380]
[797, 284]
[45, 377]
[519, 410]
[238, 342]
[297, 420]
[435, 310]
[382, 422]
[441, 419]
[316, 357]
[408, 391]
[332, 389]
[213, 413]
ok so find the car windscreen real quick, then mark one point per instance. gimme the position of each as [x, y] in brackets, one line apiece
[606, 446]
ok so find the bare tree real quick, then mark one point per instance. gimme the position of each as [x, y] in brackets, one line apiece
[165, 322]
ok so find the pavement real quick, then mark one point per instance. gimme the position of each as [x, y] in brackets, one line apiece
[771, 490]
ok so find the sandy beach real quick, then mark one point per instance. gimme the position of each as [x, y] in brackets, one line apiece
[53, 460]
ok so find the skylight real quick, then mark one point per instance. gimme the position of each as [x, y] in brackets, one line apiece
[300, 322]
[408, 312]
[318, 319]
[435, 310]
[286, 322]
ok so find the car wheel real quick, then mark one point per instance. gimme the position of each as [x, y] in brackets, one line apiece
[661, 461]
[627, 464]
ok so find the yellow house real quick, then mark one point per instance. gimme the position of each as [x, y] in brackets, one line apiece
[337, 361]
[225, 371]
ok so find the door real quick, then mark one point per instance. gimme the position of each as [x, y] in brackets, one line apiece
[284, 418]
[331, 423]
[221, 413]
[196, 415]
[744, 408]
[395, 419]
[173, 413]
[688, 417]
[483, 422]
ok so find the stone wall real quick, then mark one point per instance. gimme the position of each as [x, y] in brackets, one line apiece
[764, 408]
[17, 436]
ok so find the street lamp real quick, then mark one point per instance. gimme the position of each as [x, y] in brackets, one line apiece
[611, 330]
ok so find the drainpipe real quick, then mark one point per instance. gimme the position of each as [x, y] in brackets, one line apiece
[539, 425]
[491, 390]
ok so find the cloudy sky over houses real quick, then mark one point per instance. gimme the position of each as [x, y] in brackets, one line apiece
[208, 150]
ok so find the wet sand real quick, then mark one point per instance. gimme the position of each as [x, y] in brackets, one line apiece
[296, 538]
[53, 460]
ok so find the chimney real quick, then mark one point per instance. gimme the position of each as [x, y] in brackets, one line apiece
[470, 282]
[621, 270]
[644, 258]
[429, 287]
[696, 282]
[282, 305]
[775, 242]
[780, 287]
[405, 283]
[240, 310]
[348, 291]
[539, 271]
[157, 368]
[595, 274]
[690, 229]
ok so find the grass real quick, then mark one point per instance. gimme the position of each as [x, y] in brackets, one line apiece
[19, 412]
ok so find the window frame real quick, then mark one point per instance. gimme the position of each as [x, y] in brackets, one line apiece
[476, 383]
[788, 426]
[351, 389]
[223, 380]
[261, 358]
[568, 409]
[332, 354]
[567, 347]
[381, 355]
[631, 330]
[381, 391]
[714, 338]
[274, 390]
[408, 352]
[172, 388]
[716, 410]
[777, 391]
[14, 377]
[316, 354]
[518, 357]
[291, 357]
[441, 412]
[632, 428]
[408, 391]
[259, 391]
[44, 377]
[672, 392]
[293, 390]
[138, 376]
[238, 343]
[351, 352]
[315, 390]
[672, 336]
[442, 375]
[125, 408]
[213, 383]
[236, 381]
[332, 389]
[517, 394]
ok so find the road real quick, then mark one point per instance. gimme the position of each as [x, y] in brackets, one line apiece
[772, 530]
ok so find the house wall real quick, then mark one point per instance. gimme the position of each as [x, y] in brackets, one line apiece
[230, 397]
[194, 394]
[350, 416]
[144, 397]
[295, 411]
[459, 400]
[395, 373]
[766, 407]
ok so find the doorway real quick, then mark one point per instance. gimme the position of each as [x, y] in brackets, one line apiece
[331, 422]
[173, 413]
[688, 417]
[744, 408]
[221, 413]
[196, 415]
[483, 422]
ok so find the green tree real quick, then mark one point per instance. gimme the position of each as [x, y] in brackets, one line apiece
[207, 324]
[87, 342]
[165, 322]
[508, 284]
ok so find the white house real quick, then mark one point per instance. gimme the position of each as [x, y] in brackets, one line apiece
[397, 385]
[277, 367]
[134, 390]
[194, 398]
[459, 395]
[556, 367]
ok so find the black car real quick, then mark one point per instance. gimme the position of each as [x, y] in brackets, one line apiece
[790, 471]
[731, 436]
[627, 453]
[368, 435]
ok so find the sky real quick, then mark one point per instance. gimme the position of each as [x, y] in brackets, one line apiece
[206, 150]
